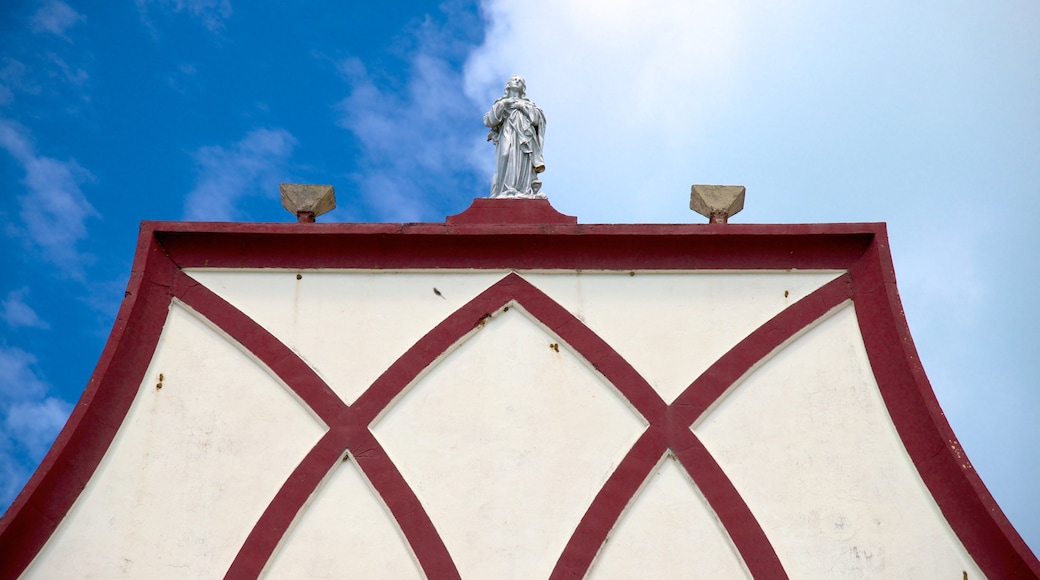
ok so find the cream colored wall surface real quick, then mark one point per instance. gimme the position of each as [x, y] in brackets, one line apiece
[671, 326]
[190, 471]
[345, 531]
[808, 443]
[351, 325]
[506, 442]
[507, 438]
[668, 531]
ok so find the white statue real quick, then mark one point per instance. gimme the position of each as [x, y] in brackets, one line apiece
[518, 130]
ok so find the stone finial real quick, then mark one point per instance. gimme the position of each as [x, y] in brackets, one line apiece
[307, 202]
[717, 202]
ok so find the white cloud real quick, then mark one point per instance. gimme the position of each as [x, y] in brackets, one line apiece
[74, 76]
[226, 175]
[654, 59]
[13, 475]
[53, 208]
[16, 313]
[421, 143]
[44, 73]
[35, 424]
[629, 89]
[30, 419]
[18, 381]
[801, 102]
[212, 13]
[55, 17]
[13, 77]
[182, 77]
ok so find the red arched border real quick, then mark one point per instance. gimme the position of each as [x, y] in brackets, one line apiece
[859, 249]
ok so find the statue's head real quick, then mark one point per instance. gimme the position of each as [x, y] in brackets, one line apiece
[516, 83]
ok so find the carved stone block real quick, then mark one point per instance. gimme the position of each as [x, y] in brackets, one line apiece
[717, 202]
[307, 202]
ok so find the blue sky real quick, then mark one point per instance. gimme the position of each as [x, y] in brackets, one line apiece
[922, 115]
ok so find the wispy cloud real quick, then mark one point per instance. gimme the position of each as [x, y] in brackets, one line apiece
[18, 380]
[618, 81]
[17, 314]
[75, 76]
[211, 13]
[180, 77]
[14, 77]
[13, 473]
[422, 141]
[53, 209]
[29, 419]
[34, 424]
[609, 53]
[55, 17]
[42, 63]
[228, 174]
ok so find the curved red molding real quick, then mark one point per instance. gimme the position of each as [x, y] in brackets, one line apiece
[858, 249]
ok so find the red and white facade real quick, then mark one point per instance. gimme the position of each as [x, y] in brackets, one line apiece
[509, 394]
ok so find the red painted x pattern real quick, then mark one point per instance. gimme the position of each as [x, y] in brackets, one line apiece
[859, 249]
[669, 425]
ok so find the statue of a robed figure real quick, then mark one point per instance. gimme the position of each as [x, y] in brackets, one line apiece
[518, 131]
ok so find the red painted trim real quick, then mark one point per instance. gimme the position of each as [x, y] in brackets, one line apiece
[282, 361]
[580, 551]
[348, 432]
[409, 513]
[720, 493]
[730, 367]
[583, 546]
[510, 211]
[268, 532]
[619, 491]
[961, 495]
[615, 495]
[163, 229]
[517, 247]
[859, 248]
[82, 443]
[412, 518]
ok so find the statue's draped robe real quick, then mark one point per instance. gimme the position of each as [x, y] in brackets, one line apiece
[518, 132]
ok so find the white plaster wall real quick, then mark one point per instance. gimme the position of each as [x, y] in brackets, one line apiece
[190, 471]
[345, 531]
[508, 438]
[671, 326]
[374, 316]
[668, 531]
[506, 442]
[808, 443]
[349, 325]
